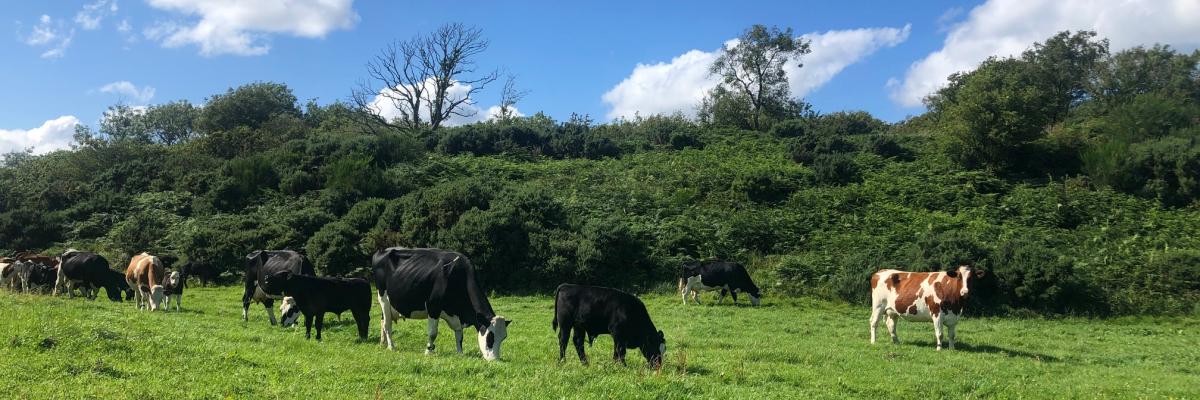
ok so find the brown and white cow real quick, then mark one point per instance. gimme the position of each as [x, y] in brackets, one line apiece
[937, 297]
[145, 275]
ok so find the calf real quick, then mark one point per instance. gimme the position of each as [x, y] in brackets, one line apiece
[32, 274]
[727, 276]
[314, 296]
[937, 297]
[263, 263]
[173, 288]
[592, 311]
[203, 271]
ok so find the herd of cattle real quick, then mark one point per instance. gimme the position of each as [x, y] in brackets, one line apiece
[434, 284]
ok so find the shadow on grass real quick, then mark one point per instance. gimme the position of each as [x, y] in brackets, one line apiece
[990, 349]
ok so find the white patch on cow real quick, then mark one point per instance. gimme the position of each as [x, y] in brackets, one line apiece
[385, 326]
[288, 311]
[156, 297]
[433, 331]
[662, 348]
[754, 299]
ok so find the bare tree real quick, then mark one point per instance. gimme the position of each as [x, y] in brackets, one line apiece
[509, 97]
[417, 76]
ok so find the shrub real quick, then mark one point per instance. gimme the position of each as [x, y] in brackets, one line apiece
[334, 251]
[835, 169]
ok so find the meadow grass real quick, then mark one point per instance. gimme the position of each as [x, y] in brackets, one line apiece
[788, 348]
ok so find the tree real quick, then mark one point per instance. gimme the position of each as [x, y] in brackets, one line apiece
[1129, 73]
[172, 122]
[509, 97]
[752, 73]
[248, 106]
[1063, 64]
[416, 78]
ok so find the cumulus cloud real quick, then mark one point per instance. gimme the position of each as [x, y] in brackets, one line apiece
[50, 34]
[386, 107]
[130, 91]
[680, 85]
[90, 16]
[1008, 27]
[241, 27]
[53, 135]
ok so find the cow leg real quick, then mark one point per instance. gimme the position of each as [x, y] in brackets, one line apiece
[385, 326]
[578, 341]
[874, 322]
[246, 296]
[695, 296]
[362, 319]
[950, 333]
[684, 289]
[564, 335]
[433, 328]
[270, 306]
[721, 297]
[937, 330]
[178, 302]
[733, 292]
[307, 326]
[619, 353]
[891, 325]
[320, 324]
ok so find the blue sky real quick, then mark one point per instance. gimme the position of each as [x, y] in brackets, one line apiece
[66, 61]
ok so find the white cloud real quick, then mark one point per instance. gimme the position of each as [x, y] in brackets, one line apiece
[124, 26]
[130, 91]
[386, 107]
[1008, 27]
[240, 27]
[50, 32]
[680, 85]
[53, 135]
[90, 16]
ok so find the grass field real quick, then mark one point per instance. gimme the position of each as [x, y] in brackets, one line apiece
[60, 348]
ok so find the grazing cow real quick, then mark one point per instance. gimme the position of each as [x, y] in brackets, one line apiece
[89, 271]
[922, 296]
[32, 274]
[433, 284]
[314, 296]
[173, 288]
[593, 311]
[204, 271]
[263, 263]
[727, 276]
[145, 274]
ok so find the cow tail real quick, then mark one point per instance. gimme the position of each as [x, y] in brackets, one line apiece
[554, 321]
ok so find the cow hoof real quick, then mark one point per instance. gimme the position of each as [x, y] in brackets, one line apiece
[429, 352]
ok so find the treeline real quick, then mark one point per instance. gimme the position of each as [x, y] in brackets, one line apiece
[1068, 172]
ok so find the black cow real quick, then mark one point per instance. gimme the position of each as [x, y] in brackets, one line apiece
[173, 285]
[592, 311]
[32, 274]
[90, 271]
[314, 296]
[729, 277]
[263, 263]
[203, 271]
[433, 284]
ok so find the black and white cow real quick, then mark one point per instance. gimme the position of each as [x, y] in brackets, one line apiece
[89, 271]
[263, 263]
[30, 275]
[173, 286]
[729, 277]
[592, 311]
[314, 296]
[433, 284]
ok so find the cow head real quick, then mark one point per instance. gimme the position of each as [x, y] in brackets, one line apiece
[492, 336]
[969, 274]
[275, 283]
[289, 311]
[173, 279]
[654, 347]
[157, 292]
[755, 298]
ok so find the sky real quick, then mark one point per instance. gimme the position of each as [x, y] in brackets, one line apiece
[65, 62]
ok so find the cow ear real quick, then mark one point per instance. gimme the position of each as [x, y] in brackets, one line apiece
[979, 273]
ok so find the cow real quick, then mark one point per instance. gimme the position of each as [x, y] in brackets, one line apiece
[203, 271]
[591, 311]
[89, 271]
[31, 274]
[263, 263]
[729, 277]
[937, 297]
[314, 296]
[173, 286]
[433, 284]
[145, 274]
[7, 277]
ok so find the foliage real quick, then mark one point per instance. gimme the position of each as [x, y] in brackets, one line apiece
[753, 92]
